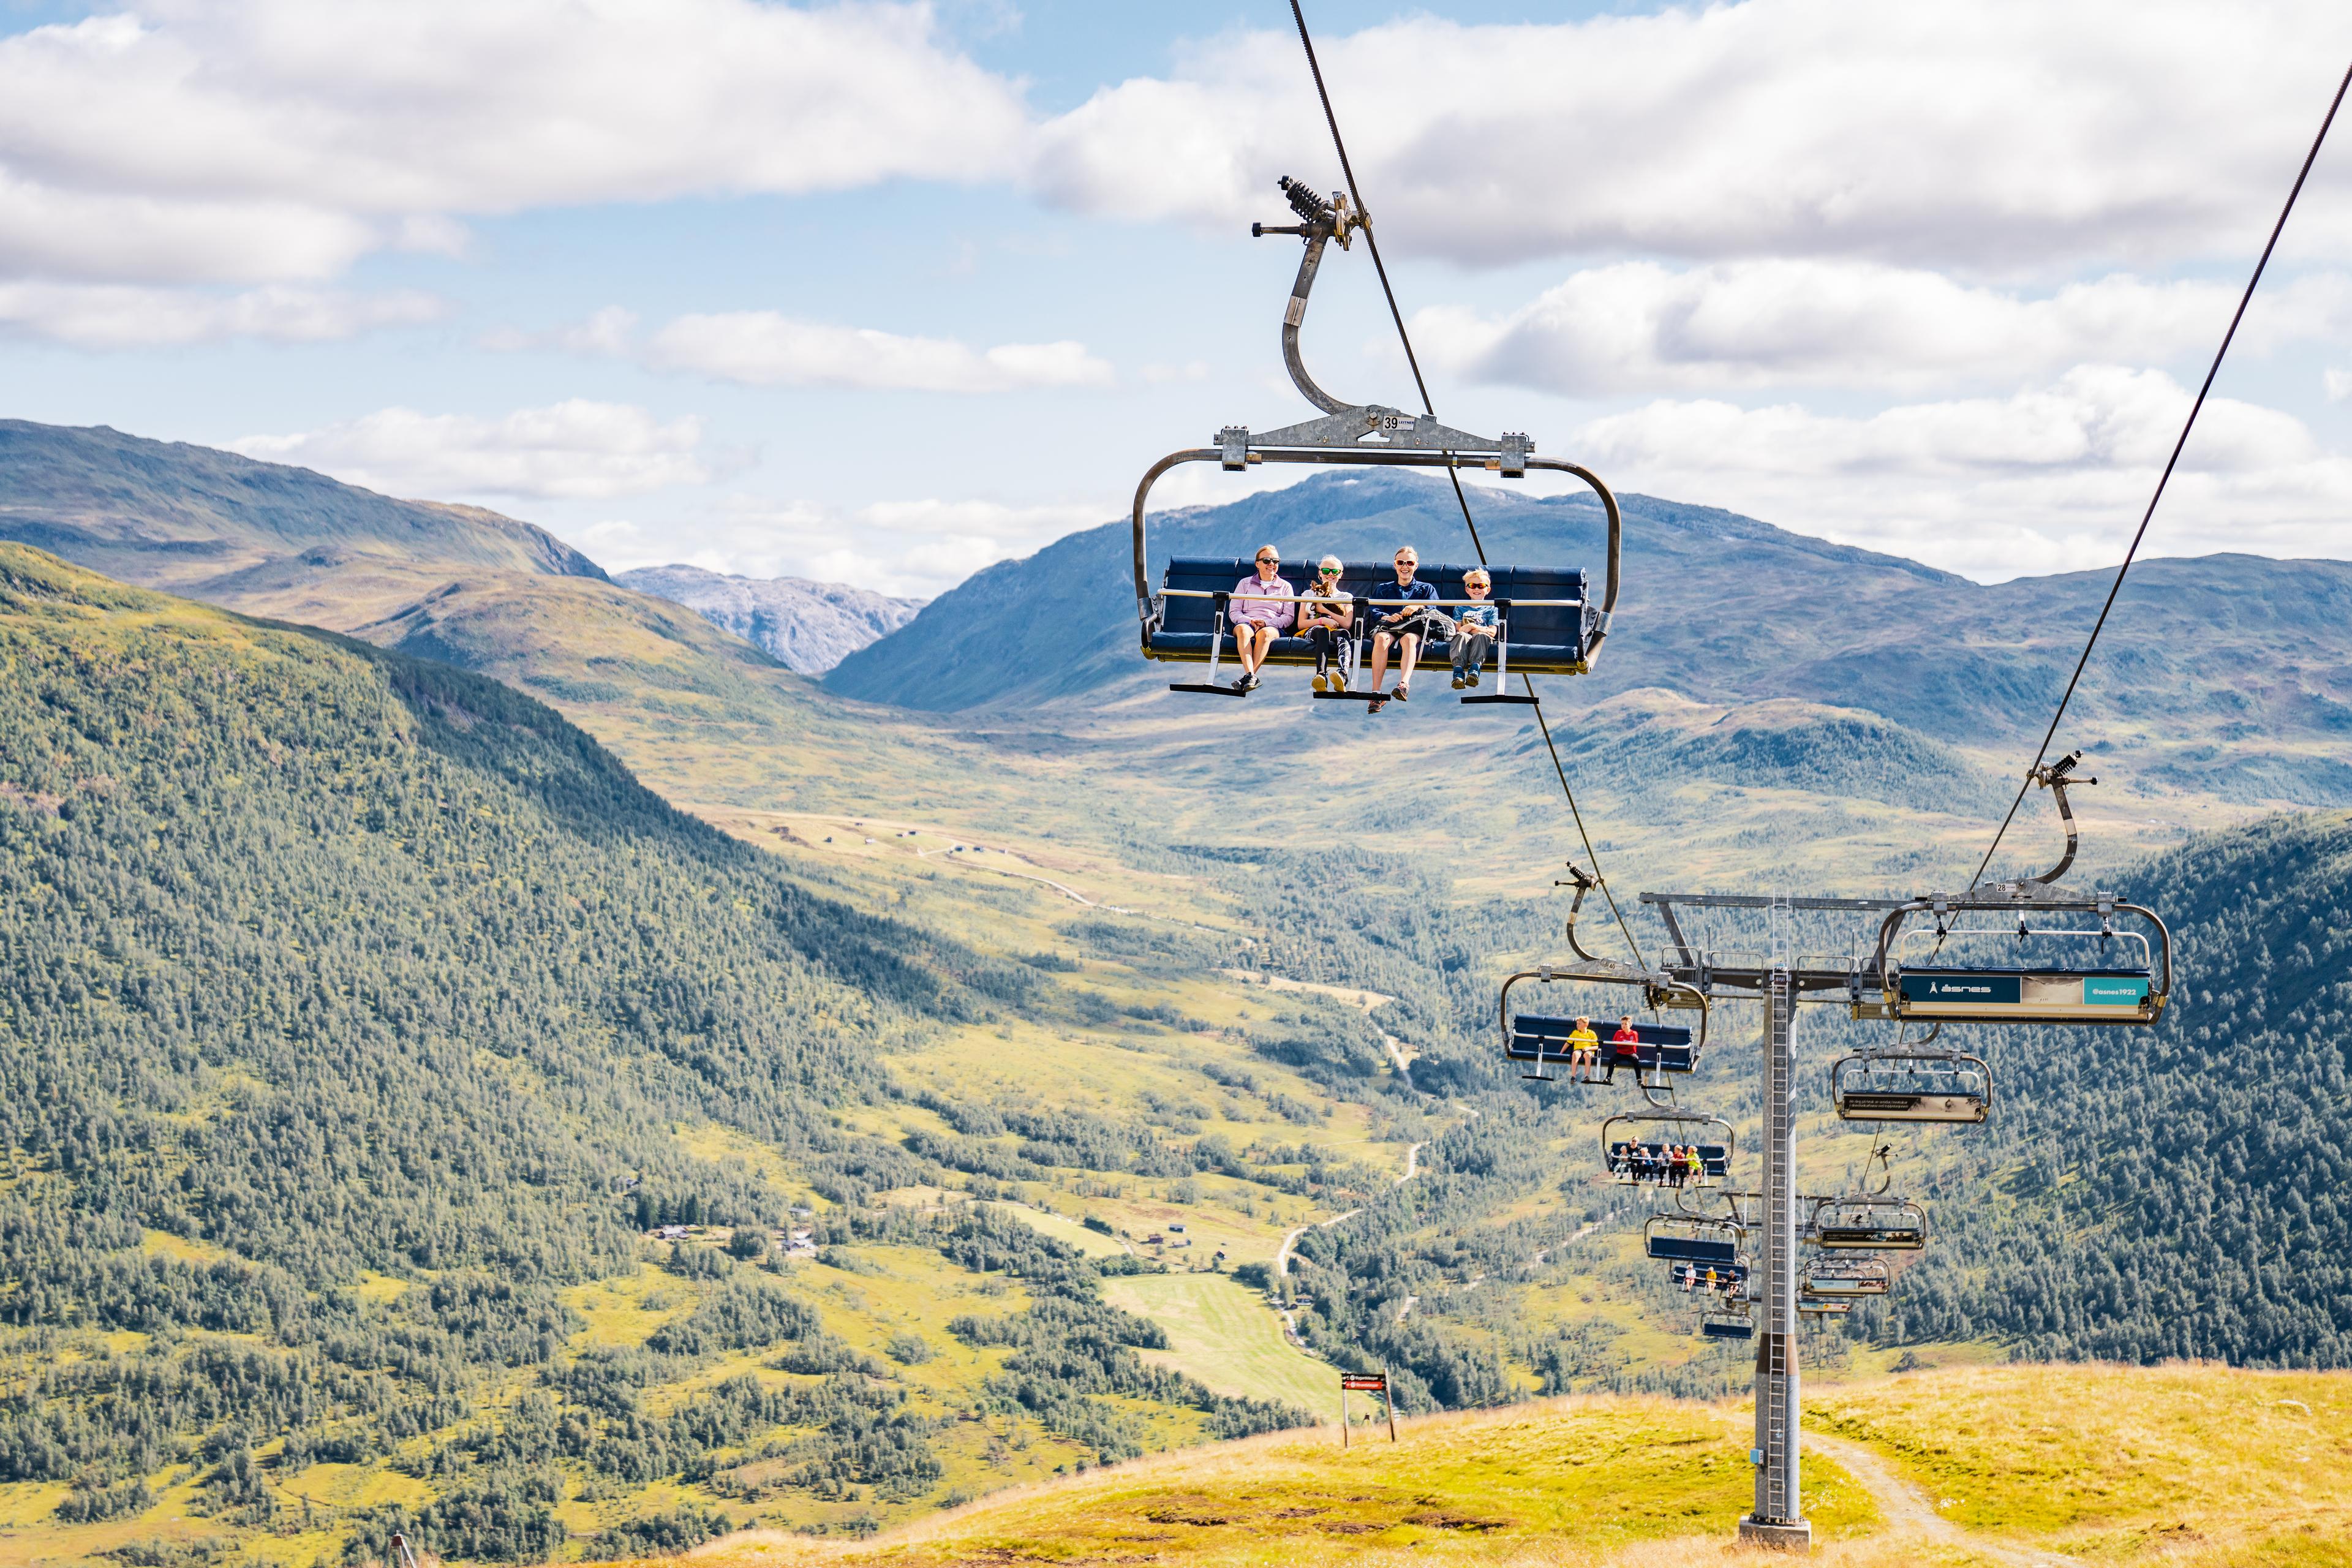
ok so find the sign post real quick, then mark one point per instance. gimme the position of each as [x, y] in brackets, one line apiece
[1366, 1383]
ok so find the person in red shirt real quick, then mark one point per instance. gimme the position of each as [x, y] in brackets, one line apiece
[1627, 1041]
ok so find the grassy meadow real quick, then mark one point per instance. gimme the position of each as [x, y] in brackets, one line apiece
[2186, 1466]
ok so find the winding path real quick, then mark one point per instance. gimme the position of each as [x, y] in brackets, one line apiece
[1907, 1506]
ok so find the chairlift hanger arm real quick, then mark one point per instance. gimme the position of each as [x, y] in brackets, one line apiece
[1405, 440]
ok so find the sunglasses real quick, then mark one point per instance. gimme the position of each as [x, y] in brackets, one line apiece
[1269, 560]
[1327, 571]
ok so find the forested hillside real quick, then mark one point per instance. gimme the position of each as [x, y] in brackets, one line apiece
[172, 515]
[362, 1015]
[2179, 1191]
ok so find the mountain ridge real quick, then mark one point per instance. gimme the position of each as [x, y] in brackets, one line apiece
[2218, 671]
[809, 626]
[173, 514]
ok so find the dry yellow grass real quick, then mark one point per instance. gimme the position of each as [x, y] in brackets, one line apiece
[2183, 1467]
[1566, 1481]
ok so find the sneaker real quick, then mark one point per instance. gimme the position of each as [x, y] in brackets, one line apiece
[1474, 678]
[1338, 681]
[1459, 683]
[1241, 683]
[1403, 693]
[1322, 681]
[1374, 706]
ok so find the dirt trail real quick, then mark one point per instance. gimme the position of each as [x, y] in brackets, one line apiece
[1906, 1506]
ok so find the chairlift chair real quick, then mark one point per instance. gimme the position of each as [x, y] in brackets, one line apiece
[1841, 1278]
[2127, 980]
[1811, 1307]
[1868, 1223]
[1687, 1239]
[1660, 1049]
[1715, 1279]
[1633, 1160]
[1911, 1084]
[1549, 624]
[1728, 1326]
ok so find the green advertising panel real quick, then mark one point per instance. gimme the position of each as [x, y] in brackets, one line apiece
[1995, 990]
[2114, 991]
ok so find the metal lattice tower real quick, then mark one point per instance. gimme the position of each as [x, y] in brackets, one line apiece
[1779, 1517]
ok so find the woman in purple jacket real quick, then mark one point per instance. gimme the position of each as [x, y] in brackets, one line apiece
[1260, 618]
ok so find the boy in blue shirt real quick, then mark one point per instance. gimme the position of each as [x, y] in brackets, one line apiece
[1404, 625]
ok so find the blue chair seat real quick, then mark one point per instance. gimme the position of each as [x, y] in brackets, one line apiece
[1544, 607]
[1692, 1249]
[1540, 1037]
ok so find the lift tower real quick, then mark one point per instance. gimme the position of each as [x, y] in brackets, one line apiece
[1781, 978]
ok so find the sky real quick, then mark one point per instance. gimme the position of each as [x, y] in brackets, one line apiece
[882, 293]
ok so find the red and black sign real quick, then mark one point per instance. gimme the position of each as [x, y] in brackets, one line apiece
[1364, 1383]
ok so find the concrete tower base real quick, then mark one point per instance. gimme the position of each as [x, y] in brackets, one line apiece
[1798, 1537]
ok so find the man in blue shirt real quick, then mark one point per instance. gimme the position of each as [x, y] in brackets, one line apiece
[1402, 610]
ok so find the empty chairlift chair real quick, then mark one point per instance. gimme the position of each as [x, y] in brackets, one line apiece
[1911, 1085]
[2035, 966]
[1728, 1326]
[1550, 622]
[1868, 1223]
[1844, 1277]
[1690, 1238]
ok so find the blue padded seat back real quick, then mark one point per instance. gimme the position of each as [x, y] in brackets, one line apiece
[1540, 635]
[1689, 1250]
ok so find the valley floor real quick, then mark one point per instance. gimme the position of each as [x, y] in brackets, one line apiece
[2181, 1465]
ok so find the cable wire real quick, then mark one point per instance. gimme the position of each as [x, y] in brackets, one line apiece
[2115, 587]
[1356, 194]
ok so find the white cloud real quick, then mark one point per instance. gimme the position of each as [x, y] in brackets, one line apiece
[259, 140]
[120, 316]
[570, 450]
[2337, 384]
[1643, 327]
[2001, 135]
[762, 348]
[2049, 479]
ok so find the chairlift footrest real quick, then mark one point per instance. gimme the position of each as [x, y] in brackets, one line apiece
[1503, 697]
[1204, 688]
[1347, 696]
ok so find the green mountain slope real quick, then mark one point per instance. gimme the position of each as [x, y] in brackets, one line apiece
[2225, 673]
[175, 516]
[362, 1017]
[700, 713]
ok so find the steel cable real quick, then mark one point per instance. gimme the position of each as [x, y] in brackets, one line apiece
[1356, 194]
[2115, 587]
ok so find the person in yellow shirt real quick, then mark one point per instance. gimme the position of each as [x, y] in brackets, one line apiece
[1583, 1049]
